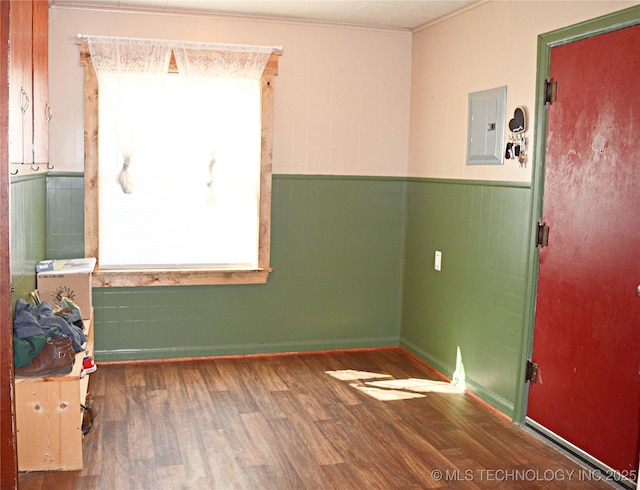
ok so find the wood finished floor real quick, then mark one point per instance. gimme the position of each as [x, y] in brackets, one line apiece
[282, 422]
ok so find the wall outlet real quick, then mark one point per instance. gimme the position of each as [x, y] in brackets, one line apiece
[437, 265]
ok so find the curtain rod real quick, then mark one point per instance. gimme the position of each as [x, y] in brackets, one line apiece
[84, 37]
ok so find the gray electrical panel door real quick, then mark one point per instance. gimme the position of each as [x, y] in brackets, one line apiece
[486, 126]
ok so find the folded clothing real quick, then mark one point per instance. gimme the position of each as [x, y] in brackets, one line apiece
[34, 320]
[25, 350]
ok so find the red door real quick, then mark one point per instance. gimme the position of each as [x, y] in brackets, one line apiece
[587, 327]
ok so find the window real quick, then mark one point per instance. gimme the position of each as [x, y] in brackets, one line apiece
[201, 180]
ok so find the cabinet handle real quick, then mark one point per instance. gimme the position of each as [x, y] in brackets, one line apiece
[48, 113]
[24, 99]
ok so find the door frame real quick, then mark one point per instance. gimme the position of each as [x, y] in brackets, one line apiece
[9, 467]
[601, 25]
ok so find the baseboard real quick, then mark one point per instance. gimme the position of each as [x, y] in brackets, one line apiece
[240, 349]
[594, 468]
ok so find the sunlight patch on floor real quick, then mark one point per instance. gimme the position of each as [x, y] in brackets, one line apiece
[385, 394]
[394, 389]
[418, 385]
[350, 375]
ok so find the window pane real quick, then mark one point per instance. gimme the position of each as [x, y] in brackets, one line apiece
[184, 211]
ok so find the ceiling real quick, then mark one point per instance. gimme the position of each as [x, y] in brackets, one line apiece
[399, 14]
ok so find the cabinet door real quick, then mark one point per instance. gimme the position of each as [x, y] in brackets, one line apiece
[41, 108]
[20, 89]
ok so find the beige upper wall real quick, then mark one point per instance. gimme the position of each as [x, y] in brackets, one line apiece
[491, 45]
[342, 93]
[350, 101]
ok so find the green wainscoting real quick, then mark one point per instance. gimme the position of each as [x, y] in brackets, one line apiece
[28, 231]
[353, 267]
[65, 215]
[337, 247]
[476, 303]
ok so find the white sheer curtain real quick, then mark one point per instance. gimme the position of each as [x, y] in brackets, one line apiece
[185, 211]
[136, 69]
[224, 84]
[221, 60]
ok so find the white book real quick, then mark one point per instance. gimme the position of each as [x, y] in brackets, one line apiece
[66, 266]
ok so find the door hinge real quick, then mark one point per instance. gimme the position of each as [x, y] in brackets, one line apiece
[550, 90]
[531, 374]
[542, 235]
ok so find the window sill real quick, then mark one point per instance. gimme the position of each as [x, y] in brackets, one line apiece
[178, 277]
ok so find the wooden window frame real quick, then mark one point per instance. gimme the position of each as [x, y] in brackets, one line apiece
[173, 277]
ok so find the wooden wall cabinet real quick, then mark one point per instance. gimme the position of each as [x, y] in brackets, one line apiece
[49, 417]
[29, 111]
[41, 109]
[20, 83]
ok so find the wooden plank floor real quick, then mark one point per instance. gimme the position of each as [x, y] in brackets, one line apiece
[280, 422]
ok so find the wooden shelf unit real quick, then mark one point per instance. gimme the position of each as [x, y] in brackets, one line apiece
[49, 416]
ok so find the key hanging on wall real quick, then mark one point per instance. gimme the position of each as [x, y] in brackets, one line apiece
[517, 145]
